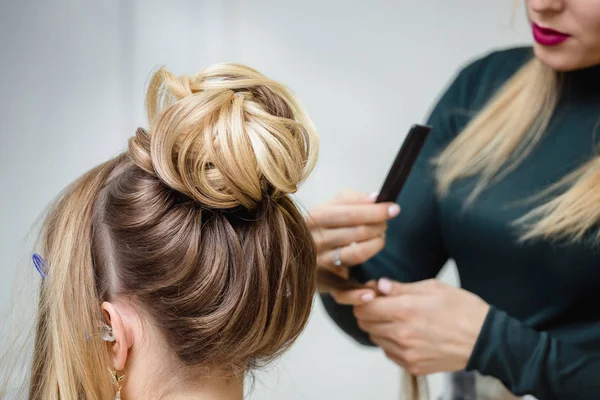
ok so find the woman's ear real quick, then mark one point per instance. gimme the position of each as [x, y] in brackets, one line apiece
[122, 340]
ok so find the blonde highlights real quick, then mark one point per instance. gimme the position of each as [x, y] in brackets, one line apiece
[502, 135]
[244, 134]
[196, 223]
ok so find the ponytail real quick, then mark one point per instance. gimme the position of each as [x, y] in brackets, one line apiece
[70, 359]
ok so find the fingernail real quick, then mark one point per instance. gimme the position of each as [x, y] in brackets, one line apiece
[384, 286]
[373, 196]
[367, 297]
[394, 210]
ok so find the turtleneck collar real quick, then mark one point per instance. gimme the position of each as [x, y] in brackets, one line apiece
[582, 83]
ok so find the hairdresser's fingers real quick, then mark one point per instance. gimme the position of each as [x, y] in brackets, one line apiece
[354, 254]
[327, 239]
[339, 271]
[388, 330]
[415, 359]
[352, 197]
[353, 297]
[339, 216]
[391, 308]
[373, 285]
[392, 351]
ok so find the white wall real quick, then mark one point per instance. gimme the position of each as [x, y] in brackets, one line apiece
[72, 83]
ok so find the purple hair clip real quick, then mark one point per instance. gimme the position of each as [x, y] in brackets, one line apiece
[40, 265]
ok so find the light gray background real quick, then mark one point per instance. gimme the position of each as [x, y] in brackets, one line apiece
[72, 79]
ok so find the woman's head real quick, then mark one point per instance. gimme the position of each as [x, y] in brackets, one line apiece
[188, 244]
[566, 32]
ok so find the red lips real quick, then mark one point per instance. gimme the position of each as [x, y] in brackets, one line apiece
[547, 36]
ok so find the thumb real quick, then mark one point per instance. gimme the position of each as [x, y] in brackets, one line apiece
[393, 288]
[389, 287]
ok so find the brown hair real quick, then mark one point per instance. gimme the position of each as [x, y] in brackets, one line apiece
[194, 224]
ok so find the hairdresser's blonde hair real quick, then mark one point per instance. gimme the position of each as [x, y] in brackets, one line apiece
[502, 135]
[196, 224]
[493, 144]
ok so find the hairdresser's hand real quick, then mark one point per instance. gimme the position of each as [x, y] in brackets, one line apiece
[425, 327]
[352, 223]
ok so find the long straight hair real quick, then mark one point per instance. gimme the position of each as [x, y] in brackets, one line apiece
[502, 135]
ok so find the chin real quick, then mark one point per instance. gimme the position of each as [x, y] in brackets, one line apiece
[557, 59]
[563, 60]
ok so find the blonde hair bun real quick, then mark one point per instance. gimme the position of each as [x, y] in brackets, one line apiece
[226, 136]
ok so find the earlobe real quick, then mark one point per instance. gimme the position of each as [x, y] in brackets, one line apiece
[115, 335]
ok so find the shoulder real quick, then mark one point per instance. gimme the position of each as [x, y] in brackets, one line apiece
[473, 86]
[507, 61]
[482, 77]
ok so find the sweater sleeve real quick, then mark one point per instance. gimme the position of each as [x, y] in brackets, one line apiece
[534, 363]
[414, 247]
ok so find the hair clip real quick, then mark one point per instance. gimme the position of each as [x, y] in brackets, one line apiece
[40, 265]
[42, 268]
[106, 334]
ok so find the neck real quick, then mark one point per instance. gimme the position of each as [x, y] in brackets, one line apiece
[154, 373]
[207, 388]
[581, 84]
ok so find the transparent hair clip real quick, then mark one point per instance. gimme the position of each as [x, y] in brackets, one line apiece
[106, 333]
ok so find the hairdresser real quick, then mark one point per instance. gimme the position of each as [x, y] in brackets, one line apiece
[507, 186]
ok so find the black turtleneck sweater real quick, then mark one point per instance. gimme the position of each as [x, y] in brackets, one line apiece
[542, 334]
